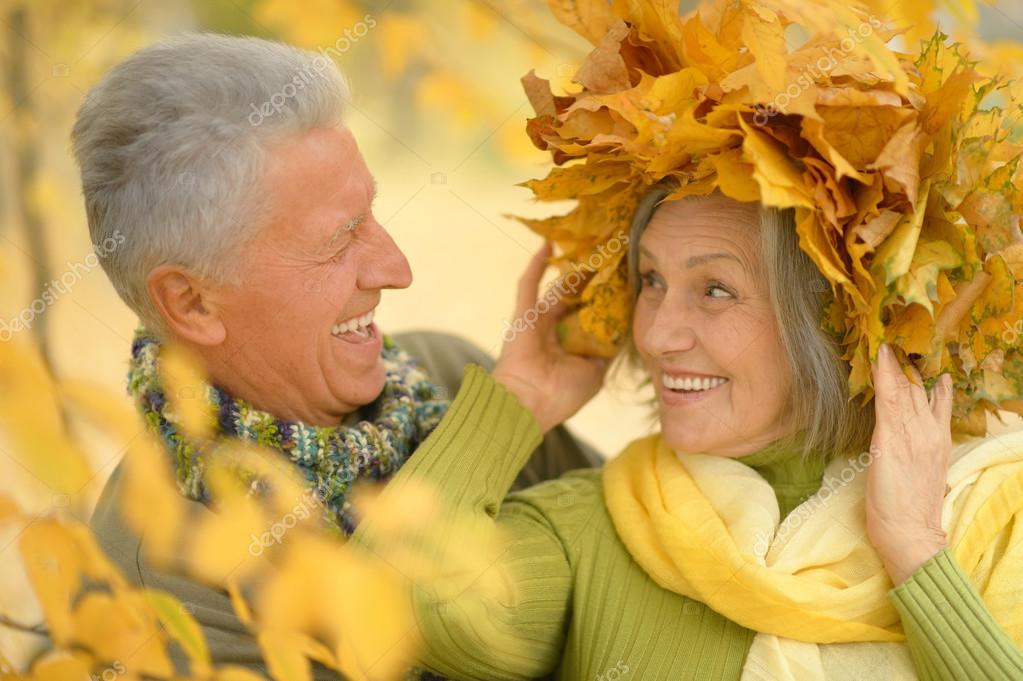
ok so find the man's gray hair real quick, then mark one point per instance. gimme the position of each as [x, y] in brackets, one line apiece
[171, 145]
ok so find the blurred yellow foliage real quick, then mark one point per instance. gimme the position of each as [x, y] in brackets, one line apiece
[305, 594]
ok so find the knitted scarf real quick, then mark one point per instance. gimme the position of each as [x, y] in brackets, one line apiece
[331, 458]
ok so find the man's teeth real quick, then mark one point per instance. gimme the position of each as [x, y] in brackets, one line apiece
[675, 383]
[359, 324]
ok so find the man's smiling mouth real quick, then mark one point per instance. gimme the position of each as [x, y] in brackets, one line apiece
[356, 329]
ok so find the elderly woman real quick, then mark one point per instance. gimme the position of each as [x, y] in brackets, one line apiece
[251, 241]
[673, 562]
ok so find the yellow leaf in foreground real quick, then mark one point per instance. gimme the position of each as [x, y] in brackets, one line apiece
[31, 416]
[122, 627]
[57, 557]
[284, 654]
[182, 627]
[148, 485]
[183, 382]
[233, 673]
[58, 665]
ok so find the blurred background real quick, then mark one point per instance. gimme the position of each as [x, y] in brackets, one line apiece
[439, 115]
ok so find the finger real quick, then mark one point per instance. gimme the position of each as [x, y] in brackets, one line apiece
[941, 400]
[875, 379]
[896, 399]
[529, 282]
[885, 384]
[918, 391]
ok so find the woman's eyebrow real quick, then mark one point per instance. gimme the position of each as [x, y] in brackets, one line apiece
[695, 260]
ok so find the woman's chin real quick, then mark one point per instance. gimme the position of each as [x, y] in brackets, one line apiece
[680, 438]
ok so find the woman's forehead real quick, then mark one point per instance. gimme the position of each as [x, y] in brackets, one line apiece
[705, 223]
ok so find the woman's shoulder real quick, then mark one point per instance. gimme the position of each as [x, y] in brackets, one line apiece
[980, 452]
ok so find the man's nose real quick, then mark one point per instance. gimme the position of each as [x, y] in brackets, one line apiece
[384, 266]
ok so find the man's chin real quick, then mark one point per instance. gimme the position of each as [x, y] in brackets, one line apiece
[365, 388]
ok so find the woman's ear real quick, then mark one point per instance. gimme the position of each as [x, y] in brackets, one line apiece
[186, 304]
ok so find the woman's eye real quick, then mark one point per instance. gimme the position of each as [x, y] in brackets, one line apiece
[718, 291]
[649, 279]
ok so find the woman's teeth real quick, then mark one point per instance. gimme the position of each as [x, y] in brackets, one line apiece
[691, 384]
[358, 324]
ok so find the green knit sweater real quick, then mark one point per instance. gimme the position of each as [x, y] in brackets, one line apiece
[585, 610]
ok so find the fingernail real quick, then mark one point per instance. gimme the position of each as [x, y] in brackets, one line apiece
[884, 351]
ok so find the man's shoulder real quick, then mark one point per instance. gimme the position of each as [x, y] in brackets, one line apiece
[443, 356]
[112, 534]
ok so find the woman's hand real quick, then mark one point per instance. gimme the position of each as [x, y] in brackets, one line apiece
[911, 450]
[550, 382]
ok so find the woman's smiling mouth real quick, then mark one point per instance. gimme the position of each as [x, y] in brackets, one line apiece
[689, 387]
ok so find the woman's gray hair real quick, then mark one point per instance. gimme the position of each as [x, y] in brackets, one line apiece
[171, 145]
[834, 423]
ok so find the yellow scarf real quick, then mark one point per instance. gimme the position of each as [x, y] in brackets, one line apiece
[707, 527]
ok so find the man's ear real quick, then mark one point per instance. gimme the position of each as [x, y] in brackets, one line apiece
[186, 304]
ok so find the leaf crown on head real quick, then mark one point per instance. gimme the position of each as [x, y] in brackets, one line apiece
[905, 182]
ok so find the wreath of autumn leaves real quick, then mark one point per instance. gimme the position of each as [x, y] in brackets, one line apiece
[904, 180]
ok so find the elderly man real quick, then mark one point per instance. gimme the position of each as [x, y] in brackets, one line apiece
[251, 241]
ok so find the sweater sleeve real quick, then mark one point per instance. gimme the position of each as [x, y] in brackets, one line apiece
[950, 632]
[467, 628]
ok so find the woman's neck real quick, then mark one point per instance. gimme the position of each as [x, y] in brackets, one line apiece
[792, 476]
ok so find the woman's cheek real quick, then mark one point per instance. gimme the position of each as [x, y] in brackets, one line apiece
[640, 326]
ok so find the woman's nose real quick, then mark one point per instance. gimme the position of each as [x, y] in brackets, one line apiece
[672, 329]
[383, 264]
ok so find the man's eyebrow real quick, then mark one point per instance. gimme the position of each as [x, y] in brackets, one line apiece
[351, 224]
